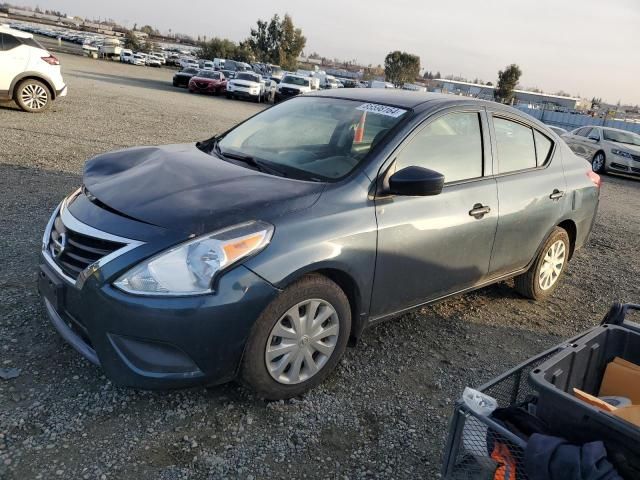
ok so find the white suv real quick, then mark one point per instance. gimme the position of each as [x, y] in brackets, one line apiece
[29, 74]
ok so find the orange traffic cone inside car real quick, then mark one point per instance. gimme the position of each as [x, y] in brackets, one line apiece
[359, 133]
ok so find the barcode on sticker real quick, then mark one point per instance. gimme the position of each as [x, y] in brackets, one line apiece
[381, 109]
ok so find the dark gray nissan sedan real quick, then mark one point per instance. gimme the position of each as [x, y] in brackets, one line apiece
[259, 253]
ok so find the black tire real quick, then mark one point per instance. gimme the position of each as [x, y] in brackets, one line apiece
[254, 371]
[229, 96]
[39, 89]
[598, 162]
[529, 284]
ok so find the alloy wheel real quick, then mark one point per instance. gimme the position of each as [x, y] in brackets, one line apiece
[34, 96]
[598, 162]
[302, 341]
[552, 265]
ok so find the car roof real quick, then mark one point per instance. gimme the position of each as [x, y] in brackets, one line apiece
[619, 130]
[401, 98]
[14, 32]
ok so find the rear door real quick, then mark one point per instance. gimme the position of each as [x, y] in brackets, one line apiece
[14, 58]
[531, 191]
[432, 246]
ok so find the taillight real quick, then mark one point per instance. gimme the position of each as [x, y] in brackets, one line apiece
[595, 178]
[51, 60]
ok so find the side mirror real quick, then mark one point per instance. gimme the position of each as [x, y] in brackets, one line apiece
[416, 182]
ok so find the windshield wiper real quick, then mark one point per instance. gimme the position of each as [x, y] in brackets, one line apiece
[259, 165]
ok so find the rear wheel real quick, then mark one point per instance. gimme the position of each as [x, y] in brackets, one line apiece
[298, 339]
[33, 96]
[598, 162]
[541, 280]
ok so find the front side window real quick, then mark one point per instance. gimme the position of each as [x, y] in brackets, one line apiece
[312, 138]
[450, 145]
[516, 147]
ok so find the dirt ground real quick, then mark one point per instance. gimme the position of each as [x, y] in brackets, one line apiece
[384, 412]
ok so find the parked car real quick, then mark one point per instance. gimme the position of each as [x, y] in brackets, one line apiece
[270, 87]
[559, 130]
[29, 74]
[246, 85]
[158, 56]
[608, 149]
[292, 85]
[260, 252]
[229, 74]
[126, 56]
[186, 62]
[207, 65]
[208, 81]
[181, 78]
[152, 61]
[139, 59]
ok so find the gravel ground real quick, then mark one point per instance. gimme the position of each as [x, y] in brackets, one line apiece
[384, 412]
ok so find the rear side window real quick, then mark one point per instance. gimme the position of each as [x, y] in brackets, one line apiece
[32, 42]
[451, 145]
[8, 42]
[543, 147]
[516, 147]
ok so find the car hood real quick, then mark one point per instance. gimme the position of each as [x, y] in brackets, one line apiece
[625, 146]
[179, 187]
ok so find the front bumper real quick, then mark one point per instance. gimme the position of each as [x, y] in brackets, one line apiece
[62, 92]
[243, 93]
[624, 165]
[156, 343]
[149, 341]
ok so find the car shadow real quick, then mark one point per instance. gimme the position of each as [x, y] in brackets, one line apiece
[126, 81]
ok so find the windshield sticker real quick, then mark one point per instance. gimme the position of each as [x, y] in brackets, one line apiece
[381, 109]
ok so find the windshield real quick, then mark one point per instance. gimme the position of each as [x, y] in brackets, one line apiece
[207, 74]
[248, 76]
[313, 138]
[621, 137]
[303, 82]
[190, 70]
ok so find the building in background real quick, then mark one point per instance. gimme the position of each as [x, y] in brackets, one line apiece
[521, 97]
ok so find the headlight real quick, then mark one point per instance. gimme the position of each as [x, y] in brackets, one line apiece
[189, 268]
[621, 153]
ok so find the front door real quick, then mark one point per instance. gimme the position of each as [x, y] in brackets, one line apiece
[13, 60]
[431, 246]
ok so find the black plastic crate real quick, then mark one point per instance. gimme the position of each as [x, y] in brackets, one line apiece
[582, 365]
[472, 437]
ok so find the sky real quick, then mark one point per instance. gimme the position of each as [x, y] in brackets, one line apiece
[584, 47]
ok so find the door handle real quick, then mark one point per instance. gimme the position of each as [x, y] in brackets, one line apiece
[478, 211]
[556, 195]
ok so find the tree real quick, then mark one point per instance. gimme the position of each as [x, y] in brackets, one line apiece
[149, 30]
[401, 67]
[277, 41]
[131, 41]
[217, 48]
[148, 46]
[507, 81]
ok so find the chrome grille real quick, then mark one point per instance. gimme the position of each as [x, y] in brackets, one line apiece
[73, 252]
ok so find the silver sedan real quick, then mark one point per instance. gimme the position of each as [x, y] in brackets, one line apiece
[608, 149]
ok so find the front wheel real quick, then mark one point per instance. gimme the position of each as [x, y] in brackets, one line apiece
[298, 339]
[33, 96]
[541, 280]
[598, 162]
